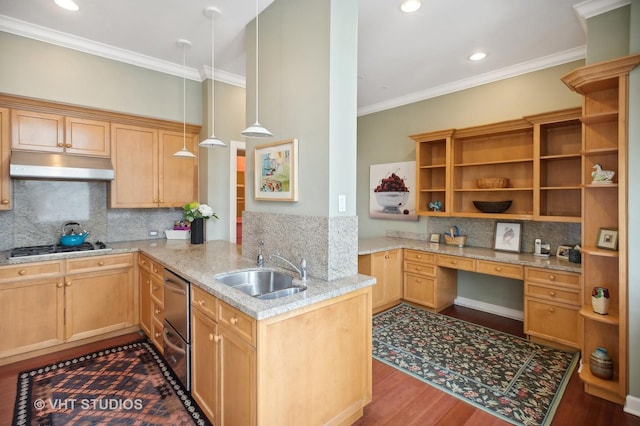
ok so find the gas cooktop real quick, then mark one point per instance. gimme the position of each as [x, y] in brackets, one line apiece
[52, 249]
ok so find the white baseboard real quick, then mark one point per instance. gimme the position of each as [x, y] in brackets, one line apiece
[490, 308]
[632, 405]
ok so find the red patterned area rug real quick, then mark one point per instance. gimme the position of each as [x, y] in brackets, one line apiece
[124, 385]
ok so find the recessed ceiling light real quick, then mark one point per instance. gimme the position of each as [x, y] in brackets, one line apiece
[67, 4]
[410, 6]
[478, 56]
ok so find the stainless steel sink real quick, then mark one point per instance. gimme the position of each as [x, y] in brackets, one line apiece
[262, 284]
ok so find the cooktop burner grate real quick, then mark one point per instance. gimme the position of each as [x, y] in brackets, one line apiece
[55, 248]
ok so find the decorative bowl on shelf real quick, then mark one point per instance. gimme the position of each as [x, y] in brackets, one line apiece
[492, 206]
[492, 182]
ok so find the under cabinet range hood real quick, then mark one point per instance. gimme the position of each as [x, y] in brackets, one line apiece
[46, 165]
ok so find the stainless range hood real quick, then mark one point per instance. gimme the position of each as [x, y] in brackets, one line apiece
[45, 165]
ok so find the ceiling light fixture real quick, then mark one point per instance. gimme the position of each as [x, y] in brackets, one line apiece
[184, 152]
[212, 140]
[256, 130]
[477, 56]
[410, 6]
[67, 4]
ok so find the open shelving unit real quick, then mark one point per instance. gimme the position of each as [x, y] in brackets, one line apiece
[604, 119]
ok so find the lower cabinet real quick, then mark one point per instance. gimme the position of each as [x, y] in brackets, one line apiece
[552, 302]
[223, 360]
[425, 283]
[150, 281]
[386, 267]
[91, 296]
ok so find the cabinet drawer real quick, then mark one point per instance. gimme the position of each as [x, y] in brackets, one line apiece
[419, 256]
[30, 270]
[157, 329]
[419, 289]
[553, 322]
[557, 294]
[157, 290]
[241, 323]
[420, 268]
[144, 262]
[97, 263]
[500, 269]
[552, 277]
[158, 312]
[456, 262]
[204, 301]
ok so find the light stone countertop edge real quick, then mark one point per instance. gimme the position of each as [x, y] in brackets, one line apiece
[375, 245]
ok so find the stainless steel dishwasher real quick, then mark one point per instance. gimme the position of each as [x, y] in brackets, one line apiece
[177, 336]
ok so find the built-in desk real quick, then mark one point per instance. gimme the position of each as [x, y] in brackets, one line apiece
[552, 291]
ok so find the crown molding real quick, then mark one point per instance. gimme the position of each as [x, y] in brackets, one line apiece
[478, 80]
[58, 38]
[590, 8]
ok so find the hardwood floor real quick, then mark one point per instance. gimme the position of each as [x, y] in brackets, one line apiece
[398, 399]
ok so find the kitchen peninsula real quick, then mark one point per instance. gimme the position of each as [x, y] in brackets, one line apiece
[282, 338]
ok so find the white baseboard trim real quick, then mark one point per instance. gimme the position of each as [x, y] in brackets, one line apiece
[490, 308]
[632, 405]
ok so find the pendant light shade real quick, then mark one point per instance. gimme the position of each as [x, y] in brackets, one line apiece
[256, 130]
[212, 140]
[184, 152]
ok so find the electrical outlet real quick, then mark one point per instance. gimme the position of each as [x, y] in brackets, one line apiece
[153, 233]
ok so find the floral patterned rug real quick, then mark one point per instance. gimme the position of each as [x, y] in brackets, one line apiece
[518, 381]
[124, 385]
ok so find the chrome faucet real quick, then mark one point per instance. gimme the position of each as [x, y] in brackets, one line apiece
[260, 261]
[302, 270]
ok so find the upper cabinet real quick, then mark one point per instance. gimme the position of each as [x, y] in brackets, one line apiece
[38, 131]
[5, 153]
[147, 173]
[532, 165]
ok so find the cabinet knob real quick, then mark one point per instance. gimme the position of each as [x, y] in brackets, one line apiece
[155, 287]
[5, 201]
[158, 335]
[234, 320]
[418, 280]
[386, 256]
[216, 338]
[68, 145]
[68, 283]
[551, 310]
[552, 277]
[22, 272]
[60, 145]
[419, 256]
[101, 263]
[201, 302]
[211, 337]
[498, 268]
[418, 268]
[552, 293]
[454, 262]
[59, 285]
[157, 311]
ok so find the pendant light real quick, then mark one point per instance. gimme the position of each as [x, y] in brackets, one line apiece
[256, 130]
[184, 152]
[212, 140]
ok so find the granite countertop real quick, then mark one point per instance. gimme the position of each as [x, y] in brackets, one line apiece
[373, 245]
[200, 263]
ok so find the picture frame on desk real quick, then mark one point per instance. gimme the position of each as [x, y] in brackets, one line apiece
[434, 238]
[563, 252]
[507, 236]
[607, 239]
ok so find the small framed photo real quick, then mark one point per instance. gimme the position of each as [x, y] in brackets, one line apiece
[608, 239]
[563, 252]
[434, 238]
[507, 236]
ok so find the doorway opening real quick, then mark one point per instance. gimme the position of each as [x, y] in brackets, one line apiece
[237, 192]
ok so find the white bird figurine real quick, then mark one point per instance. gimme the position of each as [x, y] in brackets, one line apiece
[602, 176]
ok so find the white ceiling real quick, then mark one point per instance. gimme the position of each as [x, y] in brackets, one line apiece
[402, 58]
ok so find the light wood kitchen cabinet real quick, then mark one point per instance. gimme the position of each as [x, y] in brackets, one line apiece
[99, 295]
[604, 87]
[223, 360]
[147, 173]
[31, 307]
[5, 155]
[425, 283]
[552, 301]
[433, 174]
[39, 131]
[386, 267]
[150, 281]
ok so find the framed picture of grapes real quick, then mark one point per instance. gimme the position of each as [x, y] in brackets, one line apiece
[276, 171]
[392, 187]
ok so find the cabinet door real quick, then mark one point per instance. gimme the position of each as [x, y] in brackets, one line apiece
[386, 267]
[237, 380]
[87, 137]
[204, 364]
[135, 161]
[393, 275]
[5, 154]
[178, 178]
[31, 315]
[144, 279]
[98, 303]
[37, 131]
